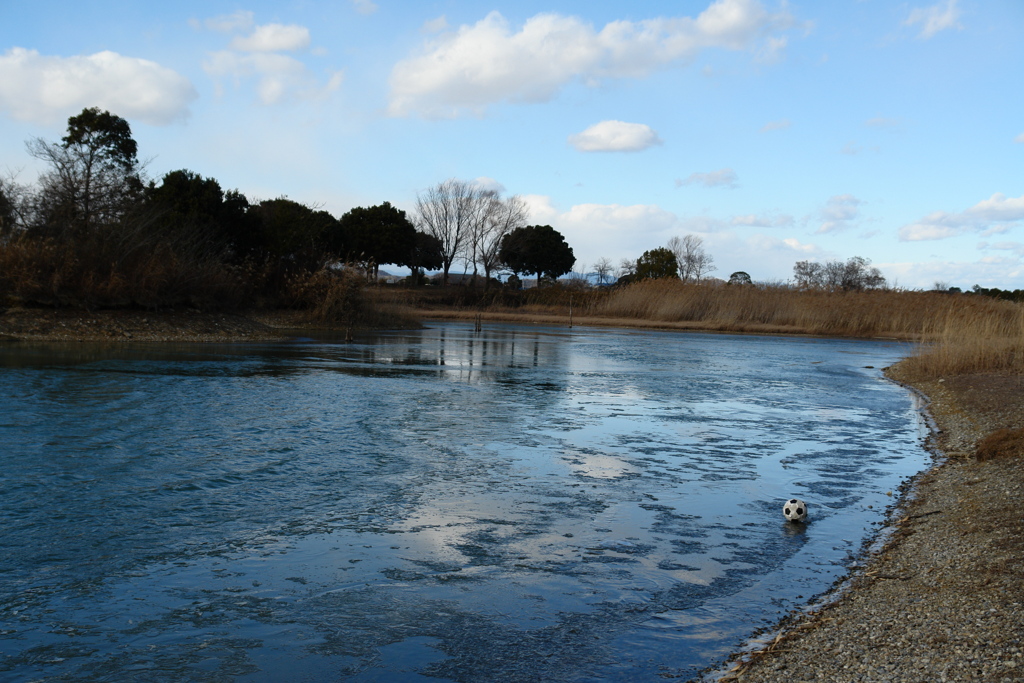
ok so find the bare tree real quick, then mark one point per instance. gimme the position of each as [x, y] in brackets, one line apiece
[502, 217]
[15, 206]
[694, 262]
[627, 267]
[447, 211]
[603, 270]
[855, 274]
[479, 205]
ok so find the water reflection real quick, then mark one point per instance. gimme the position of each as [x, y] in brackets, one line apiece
[520, 503]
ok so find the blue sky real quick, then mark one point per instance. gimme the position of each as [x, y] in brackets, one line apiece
[775, 131]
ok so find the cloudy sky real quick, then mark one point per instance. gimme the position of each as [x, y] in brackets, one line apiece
[776, 131]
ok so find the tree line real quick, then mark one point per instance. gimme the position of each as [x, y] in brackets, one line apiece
[95, 231]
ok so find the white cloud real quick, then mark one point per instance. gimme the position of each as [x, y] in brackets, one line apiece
[781, 124]
[987, 272]
[1014, 247]
[258, 56]
[489, 62]
[229, 23]
[839, 213]
[883, 122]
[435, 25]
[1019, 138]
[789, 245]
[935, 18]
[489, 185]
[273, 38]
[615, 136]
[724, 177]
[365, 6]
[762, 221]
[606, 230]
[617, 231]
[35, 87]
[628, 220]
[994, 215]
[278, 76]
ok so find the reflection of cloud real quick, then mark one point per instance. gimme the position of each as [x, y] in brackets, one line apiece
[34, 87]
[615, 136]
[598, 466]
[488, 62]
[994, 215]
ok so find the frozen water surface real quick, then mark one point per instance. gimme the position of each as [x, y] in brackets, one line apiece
[517, 504]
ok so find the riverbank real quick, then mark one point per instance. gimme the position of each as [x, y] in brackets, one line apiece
[942, 600]
[67, 325]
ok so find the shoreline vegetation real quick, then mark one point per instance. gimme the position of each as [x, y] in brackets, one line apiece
[942, 599]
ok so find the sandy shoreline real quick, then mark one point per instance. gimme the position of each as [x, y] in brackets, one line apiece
[942, 600]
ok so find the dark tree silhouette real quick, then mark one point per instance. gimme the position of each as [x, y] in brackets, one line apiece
[537, 249]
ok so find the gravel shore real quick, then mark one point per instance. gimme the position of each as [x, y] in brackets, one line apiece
[942, 600]
[43, 325]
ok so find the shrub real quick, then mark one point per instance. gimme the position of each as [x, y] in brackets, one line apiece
[1002, 443]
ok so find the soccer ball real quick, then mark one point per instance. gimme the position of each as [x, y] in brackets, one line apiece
[795, 510]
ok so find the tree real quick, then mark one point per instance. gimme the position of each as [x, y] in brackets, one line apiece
[627, 269]
[537, 249]
[451, 211]
[855, 274]
[657, 263]
[290, 230]
[694, 262]
[94, 172]
[740, 278]
[503, 216]
[15, 202]
[378, 234]
[603, 270]
[187, 202]
[426, 255]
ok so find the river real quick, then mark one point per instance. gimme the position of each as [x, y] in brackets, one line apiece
[512, 504]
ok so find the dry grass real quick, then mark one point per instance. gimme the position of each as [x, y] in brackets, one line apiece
[112, 271]
[344, 300]
[1002, 443]
[990, 340]
[903, 315]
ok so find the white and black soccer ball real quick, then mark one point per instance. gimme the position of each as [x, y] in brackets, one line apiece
[795, 510]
